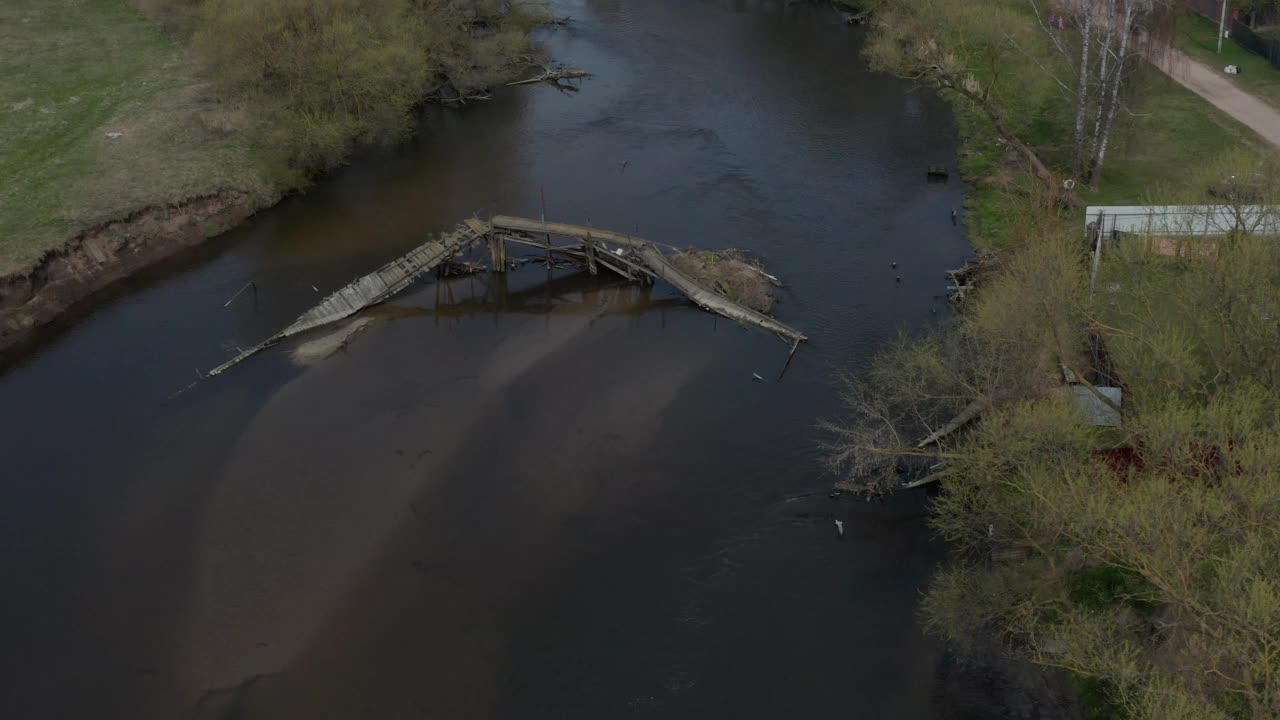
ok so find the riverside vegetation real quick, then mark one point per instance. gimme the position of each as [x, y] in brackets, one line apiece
[108, 107]
[1143, 561]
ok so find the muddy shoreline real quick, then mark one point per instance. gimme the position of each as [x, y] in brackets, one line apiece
[94, 261]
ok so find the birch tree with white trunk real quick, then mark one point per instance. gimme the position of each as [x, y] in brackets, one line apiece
[1127, 18]
[1096, 41]
[1081, 13]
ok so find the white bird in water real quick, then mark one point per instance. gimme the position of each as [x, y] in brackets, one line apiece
[840, 528]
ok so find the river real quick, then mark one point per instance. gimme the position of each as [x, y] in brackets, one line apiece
[529, 496]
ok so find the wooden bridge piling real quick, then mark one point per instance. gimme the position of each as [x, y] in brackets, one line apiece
[589, 246]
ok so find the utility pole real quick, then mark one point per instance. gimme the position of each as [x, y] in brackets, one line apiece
[1222, 25]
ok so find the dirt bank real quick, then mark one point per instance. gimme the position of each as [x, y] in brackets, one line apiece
[104, 255]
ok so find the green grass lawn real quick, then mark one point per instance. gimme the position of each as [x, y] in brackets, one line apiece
[1169, 132]
[1172, 131]
[71, 73]
[1198, 37]
[1164, 133]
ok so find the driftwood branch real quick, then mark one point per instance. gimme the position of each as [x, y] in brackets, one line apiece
[971, 411]
[926, 480]
[464, 99]
[554, 76]
[773, 279]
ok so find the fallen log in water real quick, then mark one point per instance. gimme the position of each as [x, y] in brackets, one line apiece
[554, 76]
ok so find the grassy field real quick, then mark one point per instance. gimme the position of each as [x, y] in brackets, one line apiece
[1172, 131]
[1198, 37]
[1169, 131]
[73, 74]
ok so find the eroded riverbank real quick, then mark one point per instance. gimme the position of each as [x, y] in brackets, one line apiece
[104, 255]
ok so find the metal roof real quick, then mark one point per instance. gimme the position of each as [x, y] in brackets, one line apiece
[1184, 219]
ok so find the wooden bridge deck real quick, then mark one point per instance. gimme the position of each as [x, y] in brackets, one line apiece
[386, 280]
[373, 288]
[658, 266]
[713, 301]
[538, 227]
[633, 258]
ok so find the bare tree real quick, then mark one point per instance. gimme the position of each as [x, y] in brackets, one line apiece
[1126, 18]
[923, 394]
[1082, 13]
[1100, 50]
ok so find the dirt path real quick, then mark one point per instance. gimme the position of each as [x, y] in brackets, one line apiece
[1213, 85]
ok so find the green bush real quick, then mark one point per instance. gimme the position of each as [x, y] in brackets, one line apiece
[321, 75]
[1100, 588]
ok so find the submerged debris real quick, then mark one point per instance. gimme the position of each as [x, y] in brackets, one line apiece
[966, 278]
[319, 348]
[560, 76]
[726, 283]
[732, 273]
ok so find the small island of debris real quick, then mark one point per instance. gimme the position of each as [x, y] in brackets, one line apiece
[732, 273]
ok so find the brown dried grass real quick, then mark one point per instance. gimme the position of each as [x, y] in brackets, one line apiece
[731, 273]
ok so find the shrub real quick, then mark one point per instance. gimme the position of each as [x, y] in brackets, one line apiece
[321, 75]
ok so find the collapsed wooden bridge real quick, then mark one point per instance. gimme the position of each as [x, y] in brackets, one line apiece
[631, 257]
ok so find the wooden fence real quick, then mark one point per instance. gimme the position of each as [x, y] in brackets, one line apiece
[1241, 33]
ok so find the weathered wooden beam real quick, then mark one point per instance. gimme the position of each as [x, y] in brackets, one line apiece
[507, 222]
[715, 302]
[625, 269]
[621, 264]
[571, 250]
[497, 252]
[375, 287]
[590, 246]
[658, 266]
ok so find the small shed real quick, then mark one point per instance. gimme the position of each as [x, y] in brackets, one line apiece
[1181, 220]
[1093, 410]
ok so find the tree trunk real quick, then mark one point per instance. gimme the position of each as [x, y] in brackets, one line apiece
[1104, 54]
[1114, 103]
[1082, 81]
[1067, 197]
[971, 411]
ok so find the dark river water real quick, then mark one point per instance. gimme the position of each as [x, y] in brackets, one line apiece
[532, 496]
